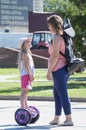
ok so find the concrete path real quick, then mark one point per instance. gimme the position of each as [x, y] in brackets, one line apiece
[46, 108]
[7, 78]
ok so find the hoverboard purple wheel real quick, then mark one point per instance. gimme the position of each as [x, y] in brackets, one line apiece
[22, 116]
[34, 114]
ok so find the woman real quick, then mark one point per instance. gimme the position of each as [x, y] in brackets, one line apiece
[26, 68]
[57, 69]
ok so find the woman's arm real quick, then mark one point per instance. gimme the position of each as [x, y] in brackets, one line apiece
[55, 54]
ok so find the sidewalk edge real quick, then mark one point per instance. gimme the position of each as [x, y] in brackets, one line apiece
[38, 98]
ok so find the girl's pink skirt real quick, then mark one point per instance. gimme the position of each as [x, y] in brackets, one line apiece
[25, 82]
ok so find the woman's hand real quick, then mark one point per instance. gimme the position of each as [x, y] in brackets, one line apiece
[49, 76]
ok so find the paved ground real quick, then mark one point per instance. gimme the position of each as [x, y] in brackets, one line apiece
[8, 108]
[7, 78]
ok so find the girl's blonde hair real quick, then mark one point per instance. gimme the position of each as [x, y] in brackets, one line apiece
[22, 50]
[56, 22]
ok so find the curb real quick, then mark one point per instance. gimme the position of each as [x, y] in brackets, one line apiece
[33, 98]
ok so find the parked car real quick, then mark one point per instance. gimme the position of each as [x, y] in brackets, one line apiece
[41, 39]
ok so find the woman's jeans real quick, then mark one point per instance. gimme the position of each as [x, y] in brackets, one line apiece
[60, 78]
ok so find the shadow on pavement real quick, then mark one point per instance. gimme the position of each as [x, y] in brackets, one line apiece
[18, 127]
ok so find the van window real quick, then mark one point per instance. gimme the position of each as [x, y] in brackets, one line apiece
[36, 39]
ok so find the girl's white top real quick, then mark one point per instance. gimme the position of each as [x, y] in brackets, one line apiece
[30, 65]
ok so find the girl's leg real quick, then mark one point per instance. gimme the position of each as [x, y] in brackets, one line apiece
[26, 100]
[23, 97]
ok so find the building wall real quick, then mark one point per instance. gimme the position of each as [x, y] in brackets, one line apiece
[38, 21]
[14, 14]
[11, 39]
[38, 5]
[9, 57]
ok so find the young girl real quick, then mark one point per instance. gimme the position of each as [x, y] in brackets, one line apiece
[26, 68]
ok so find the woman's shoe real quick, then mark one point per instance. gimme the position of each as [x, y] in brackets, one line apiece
[66, 123]
[54, 122]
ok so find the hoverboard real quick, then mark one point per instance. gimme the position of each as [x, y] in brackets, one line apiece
[24, 116]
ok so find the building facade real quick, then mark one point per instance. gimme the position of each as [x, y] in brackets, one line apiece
[14, 14]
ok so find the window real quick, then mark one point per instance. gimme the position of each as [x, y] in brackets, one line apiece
[36, 39]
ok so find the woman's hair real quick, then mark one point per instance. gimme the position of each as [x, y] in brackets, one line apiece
[56, 22]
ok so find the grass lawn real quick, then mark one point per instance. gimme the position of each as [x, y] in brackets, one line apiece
[76, 84]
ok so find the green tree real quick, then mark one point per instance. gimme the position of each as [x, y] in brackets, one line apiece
[64, 7]
[81, 5]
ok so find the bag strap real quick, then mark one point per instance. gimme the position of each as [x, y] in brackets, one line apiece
[60, 51]
[62, 54]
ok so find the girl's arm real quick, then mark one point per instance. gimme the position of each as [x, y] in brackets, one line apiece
[26, 64]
